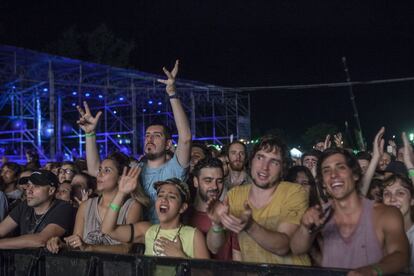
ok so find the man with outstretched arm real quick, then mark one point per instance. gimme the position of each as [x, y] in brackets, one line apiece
[359, 234]
[158, 141]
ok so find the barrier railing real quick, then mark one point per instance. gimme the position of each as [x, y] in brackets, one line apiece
[32, 262]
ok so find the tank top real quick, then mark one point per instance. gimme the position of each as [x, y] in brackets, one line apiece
[361, 248]
[93, 222]
[185, 233]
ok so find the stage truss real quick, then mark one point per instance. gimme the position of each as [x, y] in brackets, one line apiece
[39, 94]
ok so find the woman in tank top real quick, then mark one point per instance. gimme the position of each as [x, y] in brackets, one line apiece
[399, 192]
[87, 234]
[168, 238]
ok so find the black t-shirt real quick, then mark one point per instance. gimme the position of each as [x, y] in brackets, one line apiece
[60, 213]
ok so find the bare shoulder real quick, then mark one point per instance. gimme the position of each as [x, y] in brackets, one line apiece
[385, 215]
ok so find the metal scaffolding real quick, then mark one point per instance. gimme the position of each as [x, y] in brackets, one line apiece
[39, 94]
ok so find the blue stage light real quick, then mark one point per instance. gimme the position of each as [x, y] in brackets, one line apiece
[100, 96]
[159, 103]
[114, 112]
[118, 135]
[150, 102]
[144, 110]
[121, 98]
[87, 94]
[74, 93]
[73, 104]
[14, 87]
[45, 89]
[158, 111]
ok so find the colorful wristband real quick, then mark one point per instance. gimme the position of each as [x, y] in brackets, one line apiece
[377, 269]
[217, 229]
[92, 134]
[114, 207]
[411, 172]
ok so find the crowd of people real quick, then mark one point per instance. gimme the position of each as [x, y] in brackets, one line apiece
[329, 208]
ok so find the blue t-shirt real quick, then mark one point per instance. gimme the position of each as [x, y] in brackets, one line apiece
[151, 175]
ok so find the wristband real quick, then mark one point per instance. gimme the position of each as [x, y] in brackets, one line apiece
[114, 207]
[173, 96]
[411, 172]
[377, 269]
[217, 228]
[92, 134]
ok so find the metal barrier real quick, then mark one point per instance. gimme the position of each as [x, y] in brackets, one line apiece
[32, 262]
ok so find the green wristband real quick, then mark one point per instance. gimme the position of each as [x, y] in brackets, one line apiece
[92, 134]
[377, 269]
[411, 172]
[217, 229]
[115, 207]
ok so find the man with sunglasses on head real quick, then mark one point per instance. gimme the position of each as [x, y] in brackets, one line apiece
[39, 217]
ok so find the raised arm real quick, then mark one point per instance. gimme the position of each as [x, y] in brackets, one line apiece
[123, 233]
[181, 120]
[88, 124]
[408, 156]
[377, 152]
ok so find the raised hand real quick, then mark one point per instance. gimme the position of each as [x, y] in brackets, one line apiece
[170, 82]
[408, 156]
[378, 144]
[87, 122]
[85, 196]
[338, 140]
[216, 209]
[129, 180]
[327, 143]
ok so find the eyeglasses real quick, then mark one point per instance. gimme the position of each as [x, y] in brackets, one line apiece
[23, 180]
[66, 171]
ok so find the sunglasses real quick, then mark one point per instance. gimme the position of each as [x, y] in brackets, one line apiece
[23, 180]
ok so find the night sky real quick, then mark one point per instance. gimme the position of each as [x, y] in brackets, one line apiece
[256, 43]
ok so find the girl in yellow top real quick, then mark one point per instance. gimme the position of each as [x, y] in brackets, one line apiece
[169, 238]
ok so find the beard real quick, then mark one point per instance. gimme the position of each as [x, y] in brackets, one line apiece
[154, 155]
[205, 196]
[236, 166]
[266, 185]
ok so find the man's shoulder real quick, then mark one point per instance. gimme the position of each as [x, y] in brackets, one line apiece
[241, 189]
[290, 187]
[59, 205]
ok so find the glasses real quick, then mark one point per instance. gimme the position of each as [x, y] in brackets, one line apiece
[23, 180]
[66, 171]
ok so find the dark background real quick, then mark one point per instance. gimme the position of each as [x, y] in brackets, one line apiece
[255, 43]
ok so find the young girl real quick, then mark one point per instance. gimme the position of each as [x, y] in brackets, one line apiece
[399, 192]
[170, 237]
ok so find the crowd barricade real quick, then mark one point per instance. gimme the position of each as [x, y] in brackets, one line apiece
[32, 262]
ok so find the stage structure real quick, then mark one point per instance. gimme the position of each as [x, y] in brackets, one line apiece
[39, 94]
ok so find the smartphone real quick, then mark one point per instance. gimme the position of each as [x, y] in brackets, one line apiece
[389, 149]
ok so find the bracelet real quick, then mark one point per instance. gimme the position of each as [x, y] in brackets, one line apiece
[411, 172]
[115, 207]
[91, 134]
[377, 269]
[217, 228]
[173, 96]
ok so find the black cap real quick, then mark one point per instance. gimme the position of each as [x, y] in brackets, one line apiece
[44, 178]
[397, 167]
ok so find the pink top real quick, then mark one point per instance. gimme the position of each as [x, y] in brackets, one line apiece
[361, 248]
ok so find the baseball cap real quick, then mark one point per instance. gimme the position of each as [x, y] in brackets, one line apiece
[44, 178]
[182, 187]
[397, 167]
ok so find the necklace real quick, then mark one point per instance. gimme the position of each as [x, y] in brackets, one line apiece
[156, 250]
[38, 221]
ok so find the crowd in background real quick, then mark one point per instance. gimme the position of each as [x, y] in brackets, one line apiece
[329, 208]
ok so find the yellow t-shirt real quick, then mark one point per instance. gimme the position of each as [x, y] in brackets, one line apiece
[288, 204]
